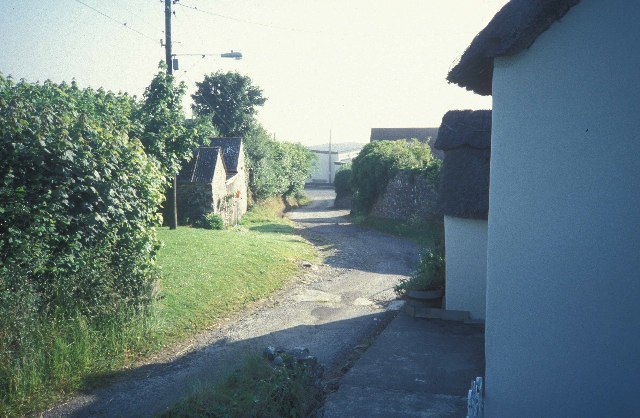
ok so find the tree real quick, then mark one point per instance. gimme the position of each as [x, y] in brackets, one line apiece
[230, 100]
[165, 135]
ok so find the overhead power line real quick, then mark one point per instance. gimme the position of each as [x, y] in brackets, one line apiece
[250, 22]
[123, 24]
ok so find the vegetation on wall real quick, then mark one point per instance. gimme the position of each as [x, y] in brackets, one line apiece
[379, 161]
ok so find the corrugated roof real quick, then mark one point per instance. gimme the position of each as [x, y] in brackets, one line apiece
[201, 167]
[514, 28]
[231, 148]
[392, 134]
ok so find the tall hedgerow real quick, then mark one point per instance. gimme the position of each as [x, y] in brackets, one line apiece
[78, 204]
[379, 161]
[78, 198]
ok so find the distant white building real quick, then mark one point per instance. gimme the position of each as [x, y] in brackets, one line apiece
[327, 163]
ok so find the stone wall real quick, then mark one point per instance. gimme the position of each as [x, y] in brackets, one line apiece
[194, 200]
[408, 196]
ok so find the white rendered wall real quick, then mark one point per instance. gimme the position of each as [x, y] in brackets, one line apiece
[563, 272]
[466, 265]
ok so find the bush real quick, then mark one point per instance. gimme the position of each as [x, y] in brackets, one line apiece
[258, 389]
[342, 182]
[78, 200]
[275, 168]
[379, 161]
[430, 273]
[211, 221]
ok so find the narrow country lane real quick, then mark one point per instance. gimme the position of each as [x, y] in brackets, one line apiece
[331, 309]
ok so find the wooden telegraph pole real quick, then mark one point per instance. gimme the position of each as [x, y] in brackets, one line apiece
[171, 198]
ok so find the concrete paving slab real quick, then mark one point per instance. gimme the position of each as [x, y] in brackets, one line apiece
[415, 368]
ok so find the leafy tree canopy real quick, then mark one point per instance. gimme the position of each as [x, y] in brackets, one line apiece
[165, 134]
[230, 100]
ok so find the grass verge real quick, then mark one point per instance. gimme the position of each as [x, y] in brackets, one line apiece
[206, 276]
[424, 233]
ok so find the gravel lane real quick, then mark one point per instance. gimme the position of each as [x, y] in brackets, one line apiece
[330, 309]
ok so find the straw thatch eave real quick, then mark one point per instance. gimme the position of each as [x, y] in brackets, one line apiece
[470, 128]
[465, 137]
[513, 29]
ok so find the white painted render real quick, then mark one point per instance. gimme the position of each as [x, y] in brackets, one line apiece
[563, 273]
[466, 265]
[324, 170]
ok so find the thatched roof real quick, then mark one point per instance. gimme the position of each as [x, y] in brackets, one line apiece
[394, 134]
[471, 128]
[231, 148]
[201, 167]
[513, 29]
[465, 136]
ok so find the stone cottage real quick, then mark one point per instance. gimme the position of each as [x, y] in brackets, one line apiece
[563, 251]
[201, 184]
[235, 202]
[465, 138]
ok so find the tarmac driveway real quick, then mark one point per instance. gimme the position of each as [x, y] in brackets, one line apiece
[330, 309]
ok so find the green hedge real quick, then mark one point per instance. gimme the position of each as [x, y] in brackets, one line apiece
[343, 182]
[78, 201]
[379, 161]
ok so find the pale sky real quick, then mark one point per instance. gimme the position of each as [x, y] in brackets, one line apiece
[344, 65]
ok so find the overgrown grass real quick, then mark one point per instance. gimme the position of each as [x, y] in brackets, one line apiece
[58, 356]
[257, 389]
[424, 233]
[206, 276]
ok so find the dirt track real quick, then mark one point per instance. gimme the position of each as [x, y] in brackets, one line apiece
[330, 309]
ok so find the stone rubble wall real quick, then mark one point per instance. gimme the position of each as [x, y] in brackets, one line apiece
[408, 197]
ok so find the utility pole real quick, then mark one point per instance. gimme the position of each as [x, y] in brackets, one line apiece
[330, 165]
[171, 198]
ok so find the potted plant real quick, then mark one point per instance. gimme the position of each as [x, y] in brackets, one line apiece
[428, 281]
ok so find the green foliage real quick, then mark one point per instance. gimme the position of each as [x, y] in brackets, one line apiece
[78, 199]
[342, 182]
[430, 273]
[379, 161]
[230, 100]
[211, 221]
[275, 168]
[258, 389]
[165, 134]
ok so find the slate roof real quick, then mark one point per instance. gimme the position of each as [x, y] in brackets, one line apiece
[513, 29]
[201, 167]
[392, 134]
[465, 136]
[231, 148]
